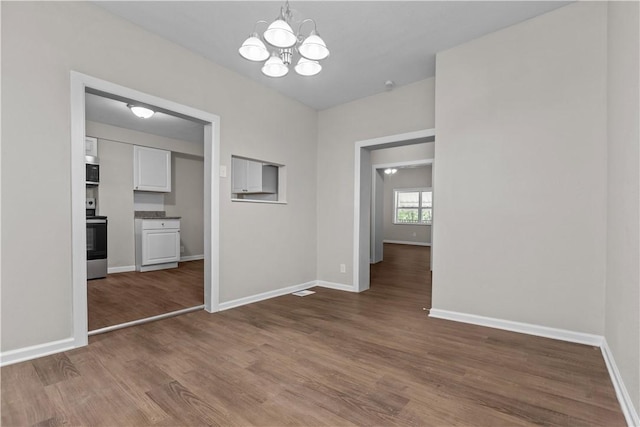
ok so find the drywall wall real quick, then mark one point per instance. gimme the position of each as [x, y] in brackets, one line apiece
[622, 310]
[405, 109]
[116, 195]
[521, 172]
[186, 200]
[41, 43]
[134, 137]
[405, 153]
[115, 200]
[418, 177]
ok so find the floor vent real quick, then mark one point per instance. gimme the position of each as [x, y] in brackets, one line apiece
[303, 293]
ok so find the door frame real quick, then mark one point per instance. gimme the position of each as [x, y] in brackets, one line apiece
[362, 198]
[79, 83]
[375, 201]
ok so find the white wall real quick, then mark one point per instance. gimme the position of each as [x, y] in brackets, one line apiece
[419, 177]
[115, 200]
[186, 200]
[405, 109]
[41, 43]
[521, 172]
[405, 153]
[622, 310]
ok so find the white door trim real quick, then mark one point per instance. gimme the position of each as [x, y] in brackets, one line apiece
[416, 137]
[79, 82]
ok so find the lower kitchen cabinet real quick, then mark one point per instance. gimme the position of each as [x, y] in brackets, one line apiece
[157, 243]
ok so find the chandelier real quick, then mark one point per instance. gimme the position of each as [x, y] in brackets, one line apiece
[284, 46]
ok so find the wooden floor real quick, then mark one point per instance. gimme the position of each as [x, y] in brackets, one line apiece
[123, 297]
[332, 358]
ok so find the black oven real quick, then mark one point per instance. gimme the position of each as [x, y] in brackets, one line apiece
[92, 170]
[96, 247]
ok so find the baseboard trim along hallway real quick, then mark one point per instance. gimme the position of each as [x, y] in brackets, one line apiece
[406, 242]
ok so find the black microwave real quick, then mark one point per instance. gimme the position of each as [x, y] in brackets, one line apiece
[92, 170]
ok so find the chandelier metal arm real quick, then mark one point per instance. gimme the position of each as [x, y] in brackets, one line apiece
[255, 26]
[314, 31]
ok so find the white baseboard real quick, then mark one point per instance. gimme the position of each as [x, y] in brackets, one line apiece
[524, 328]
[405, 242]
[123, 269]
[265, 295]
[191, 258]
[27, 353]
[337, 286]
[128, 268]
[626, 404]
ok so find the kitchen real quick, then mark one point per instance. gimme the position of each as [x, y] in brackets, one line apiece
[144, 197]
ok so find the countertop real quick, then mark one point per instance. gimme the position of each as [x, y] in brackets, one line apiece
[158, 217]
[153, 215]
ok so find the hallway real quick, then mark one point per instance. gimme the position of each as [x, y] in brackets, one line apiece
[404, 274]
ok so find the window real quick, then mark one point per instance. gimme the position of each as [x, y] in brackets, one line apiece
[413, 206]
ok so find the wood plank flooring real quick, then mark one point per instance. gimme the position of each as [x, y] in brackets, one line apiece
[329, 359]
[124, 297]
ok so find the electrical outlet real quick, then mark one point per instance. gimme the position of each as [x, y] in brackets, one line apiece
[181, 249]
[223, 171]
[343, 268]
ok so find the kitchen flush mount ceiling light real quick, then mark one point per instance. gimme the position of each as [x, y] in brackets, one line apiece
[142, 112]
[279, 45]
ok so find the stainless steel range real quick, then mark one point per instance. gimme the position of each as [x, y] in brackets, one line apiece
[96, 243]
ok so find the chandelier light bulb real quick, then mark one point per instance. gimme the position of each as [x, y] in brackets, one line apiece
[308, 68]
[274, 67]
[390, 171]
[142, 112]
[254, 49]
[280, 34]
[314, 48]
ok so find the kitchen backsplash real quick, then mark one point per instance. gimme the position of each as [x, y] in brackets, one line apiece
[149, 214]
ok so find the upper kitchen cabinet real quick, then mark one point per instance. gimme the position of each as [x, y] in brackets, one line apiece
[151, 169]
[250, 176]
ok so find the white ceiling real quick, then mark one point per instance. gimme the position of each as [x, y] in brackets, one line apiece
[370, 41]
[116, 113]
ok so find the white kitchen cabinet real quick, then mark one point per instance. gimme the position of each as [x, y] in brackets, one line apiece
[151, 169]
[251, 177]
[157, 243]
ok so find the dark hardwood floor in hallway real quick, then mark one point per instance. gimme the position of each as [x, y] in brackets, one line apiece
[124, 297]
[329, 359]
[404, 275]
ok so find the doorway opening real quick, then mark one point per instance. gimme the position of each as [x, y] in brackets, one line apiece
[363, 185]
[210, 128]
[163, 213]
[401, 202]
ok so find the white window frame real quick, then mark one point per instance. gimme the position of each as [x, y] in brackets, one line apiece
[420, 208]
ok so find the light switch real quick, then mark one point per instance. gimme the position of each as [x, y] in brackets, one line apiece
[223, 171]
